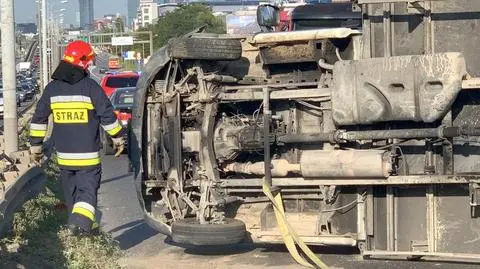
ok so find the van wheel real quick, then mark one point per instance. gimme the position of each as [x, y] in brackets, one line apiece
[189, 231]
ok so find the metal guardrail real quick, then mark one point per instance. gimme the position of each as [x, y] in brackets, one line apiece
[31, 51]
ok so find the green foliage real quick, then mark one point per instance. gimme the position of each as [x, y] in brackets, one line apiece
[183, 20]
[39, 239]
[90, 252]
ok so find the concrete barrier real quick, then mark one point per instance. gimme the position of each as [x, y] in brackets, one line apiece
[27, 186]
[19, 180]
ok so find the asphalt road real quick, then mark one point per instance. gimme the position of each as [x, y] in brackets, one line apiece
[145, 249]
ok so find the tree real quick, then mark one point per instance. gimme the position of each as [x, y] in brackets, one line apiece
[183, 20]
[119, 25]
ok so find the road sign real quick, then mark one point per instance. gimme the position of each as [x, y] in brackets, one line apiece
[122, 41]
[74, 33]
[129, 55]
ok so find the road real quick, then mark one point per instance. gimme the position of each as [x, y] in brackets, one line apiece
[20, 109]
[146, 249]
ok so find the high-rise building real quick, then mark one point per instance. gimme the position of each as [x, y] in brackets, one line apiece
[86, 13]
[132, 11]
[77, 18]
[147, 14]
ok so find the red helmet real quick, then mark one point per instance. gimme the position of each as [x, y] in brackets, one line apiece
[79, 53]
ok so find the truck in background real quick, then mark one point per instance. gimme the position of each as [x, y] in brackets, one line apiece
[23, 66]
[301, 16]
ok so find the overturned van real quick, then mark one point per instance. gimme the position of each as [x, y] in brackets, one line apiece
[371, 135]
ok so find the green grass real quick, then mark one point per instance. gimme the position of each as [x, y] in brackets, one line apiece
[39, 240]
[129, 65]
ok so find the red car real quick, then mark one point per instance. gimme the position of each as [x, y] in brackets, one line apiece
[122, 101]
[112, 81]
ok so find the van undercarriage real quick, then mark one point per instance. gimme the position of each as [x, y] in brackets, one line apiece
[370, 146]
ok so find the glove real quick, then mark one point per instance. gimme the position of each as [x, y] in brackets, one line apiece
[36, 154]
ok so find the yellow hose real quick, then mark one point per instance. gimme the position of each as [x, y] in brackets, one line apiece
[290, 237]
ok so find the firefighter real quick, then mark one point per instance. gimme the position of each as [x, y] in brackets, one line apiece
[79, 107]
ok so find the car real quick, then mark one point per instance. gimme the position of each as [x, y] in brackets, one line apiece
[114, 63]
[115, 80]
[21, 94]
[26, 90]
[122, 101]
[20, 98]
[1, 104]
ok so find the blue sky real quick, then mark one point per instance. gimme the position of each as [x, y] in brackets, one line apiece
[25, 10]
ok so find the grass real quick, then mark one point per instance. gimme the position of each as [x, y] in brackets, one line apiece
[39, 240]
[130, 65]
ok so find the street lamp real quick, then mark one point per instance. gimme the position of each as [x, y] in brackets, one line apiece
[43, 10]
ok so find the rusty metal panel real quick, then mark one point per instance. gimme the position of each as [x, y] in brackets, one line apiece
[456, 231]
[456, 28]
[290, 53]
[411, 224]
[456, 24]
[379, 239]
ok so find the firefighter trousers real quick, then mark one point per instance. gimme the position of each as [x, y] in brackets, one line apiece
[80, 188]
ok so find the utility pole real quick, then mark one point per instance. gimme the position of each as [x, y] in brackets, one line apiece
[9, 77]
[44, 47]
[40, 41]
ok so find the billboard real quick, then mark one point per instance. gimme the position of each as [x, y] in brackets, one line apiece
[122, 41]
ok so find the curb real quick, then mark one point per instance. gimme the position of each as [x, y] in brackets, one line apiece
[27, 186]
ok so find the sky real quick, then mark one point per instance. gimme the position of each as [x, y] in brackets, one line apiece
[25, 10]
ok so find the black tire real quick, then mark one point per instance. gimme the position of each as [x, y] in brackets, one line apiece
[107, 148]
[190, 232]
[205, 48]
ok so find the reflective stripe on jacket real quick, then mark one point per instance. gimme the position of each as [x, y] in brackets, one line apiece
[78, 110]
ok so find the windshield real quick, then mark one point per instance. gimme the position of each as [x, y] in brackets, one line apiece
[326, 24]
[121, 82]
[1, 95]
[124, 98]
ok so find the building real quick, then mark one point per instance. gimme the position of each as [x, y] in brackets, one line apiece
[147, 14]
[26, 28]
[77, 18]
[86, 14]
[115, 22]
[132, 12]
[163, 9]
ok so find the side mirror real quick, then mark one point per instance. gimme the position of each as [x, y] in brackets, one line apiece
[268, 15]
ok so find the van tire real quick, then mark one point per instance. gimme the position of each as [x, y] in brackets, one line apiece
[189, 231]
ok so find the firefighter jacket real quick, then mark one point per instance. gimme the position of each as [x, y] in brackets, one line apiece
[78, 106]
